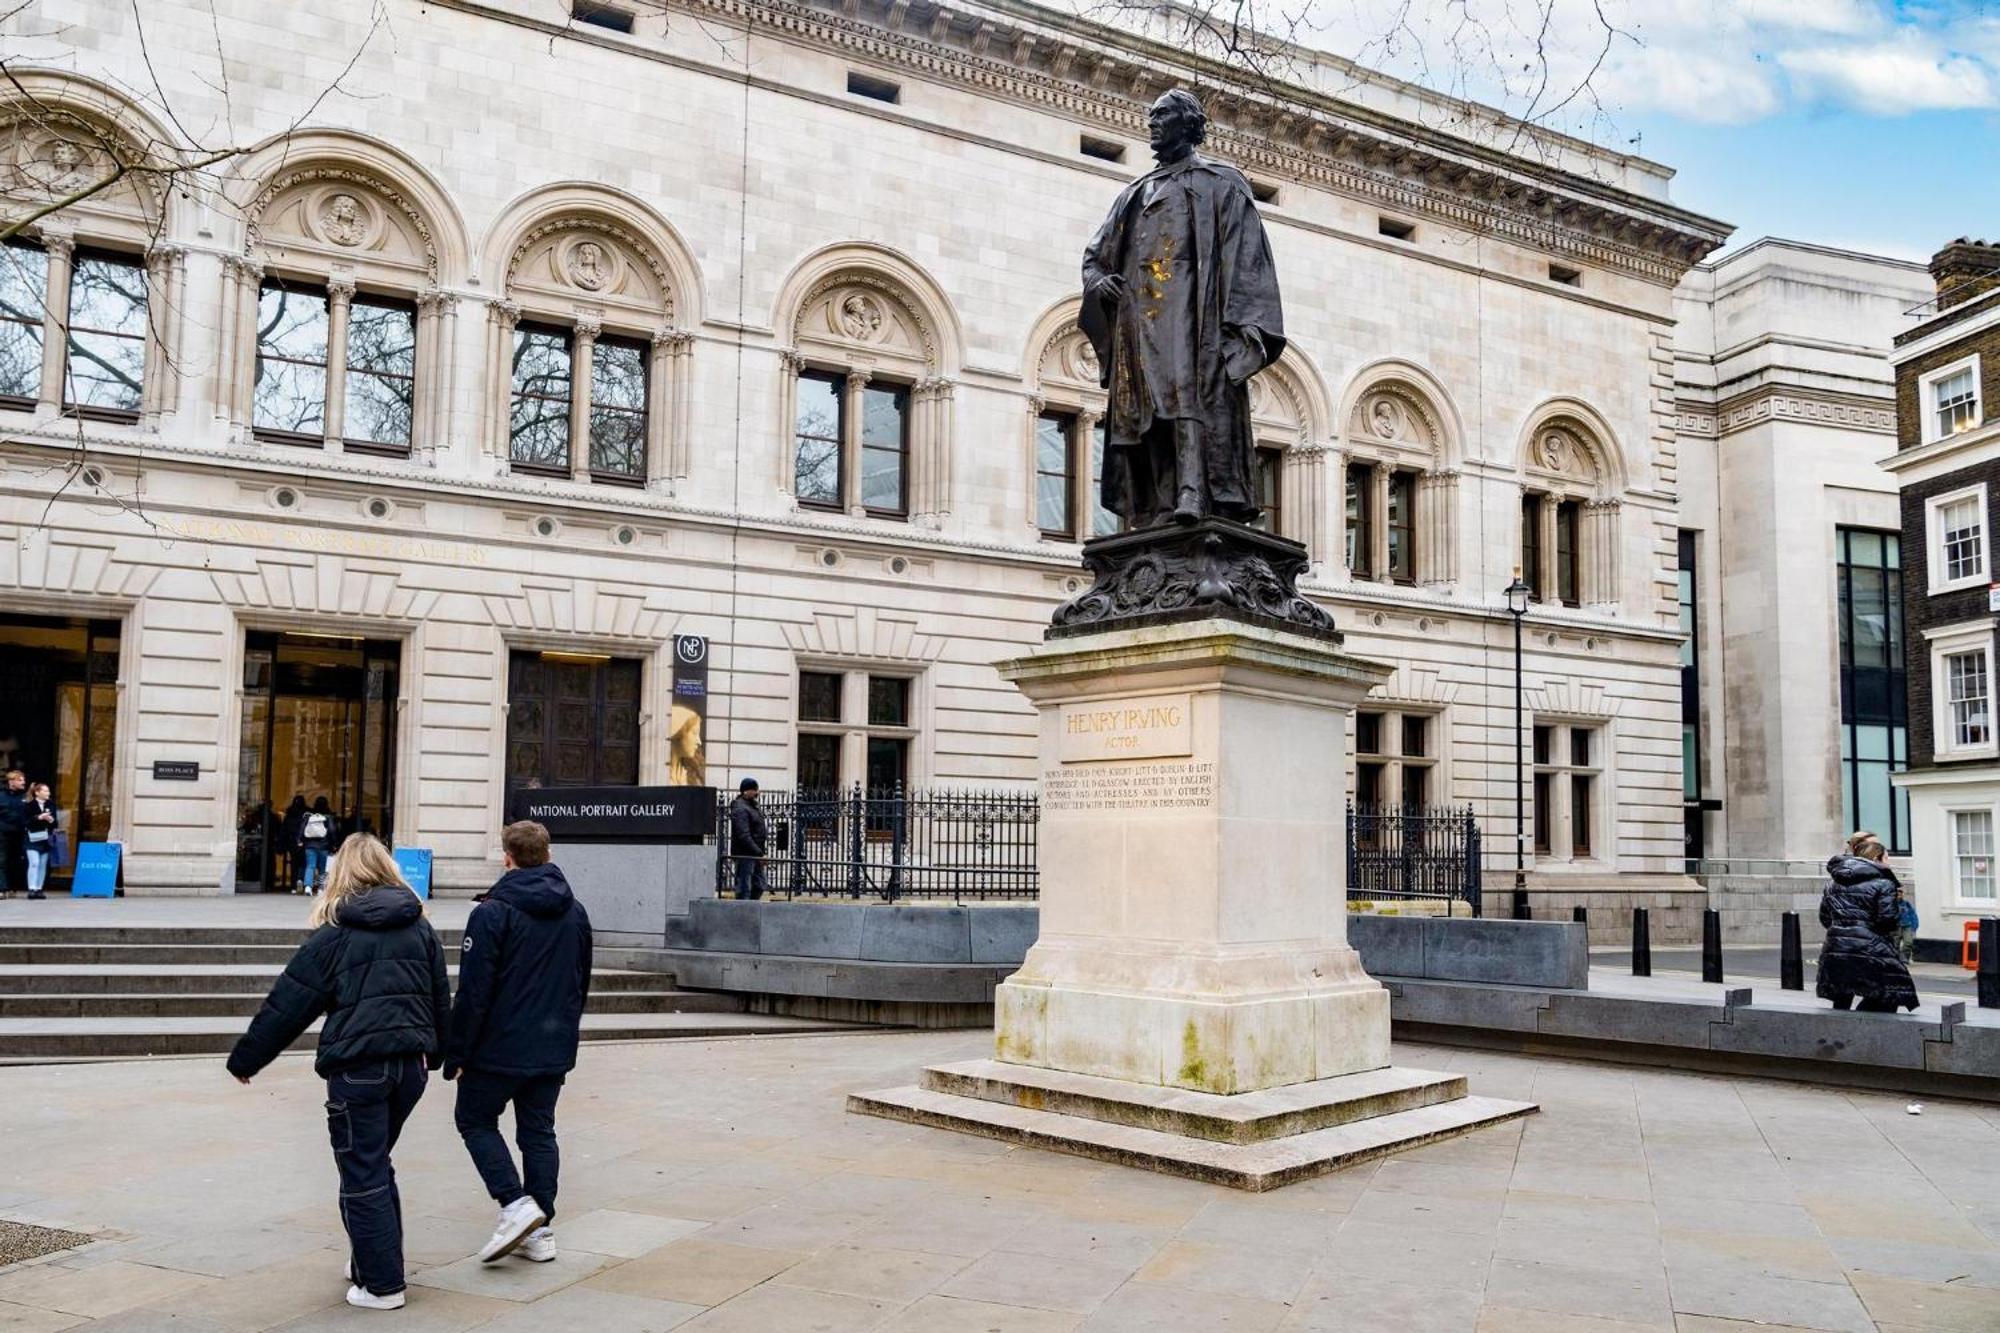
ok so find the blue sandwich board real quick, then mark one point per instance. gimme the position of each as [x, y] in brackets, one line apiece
[96, 870]
[414, 864]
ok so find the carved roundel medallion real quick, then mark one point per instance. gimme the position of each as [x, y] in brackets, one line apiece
[1558, 451]
[1385, 418]
[345, 218]
[590, 264]
[857, 315]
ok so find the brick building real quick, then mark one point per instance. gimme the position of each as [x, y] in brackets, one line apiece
[1947, 466]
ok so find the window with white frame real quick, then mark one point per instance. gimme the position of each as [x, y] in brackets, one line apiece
[1569, 771]
[1956, 523]
[1972, 854]
[1951, 400]
[1962, 691]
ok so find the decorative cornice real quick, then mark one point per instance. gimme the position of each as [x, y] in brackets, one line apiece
[1289, 131]
[1775, 404]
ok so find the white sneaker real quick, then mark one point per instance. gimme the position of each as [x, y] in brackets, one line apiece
[517, 1219]
[539, 1246]
[363, 1299]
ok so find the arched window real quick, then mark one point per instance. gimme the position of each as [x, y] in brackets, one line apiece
[1288, 421]
[589, 363]
[1570, 482]
[867, 401]
[1399, 492]
[334, 312]
[88, 298]
[1065, 433]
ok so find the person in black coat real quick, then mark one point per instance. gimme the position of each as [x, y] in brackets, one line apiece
[13, 833]
[749, 840]
[523, 981]
[374, 967]
[41, 818]
[1860, 909]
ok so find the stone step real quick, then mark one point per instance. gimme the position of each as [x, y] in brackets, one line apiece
[213, 979]
[289, 936]
[1248, 1166]
[92, 954]
[243, 1005]
[27, 1040]
[1252, 1117]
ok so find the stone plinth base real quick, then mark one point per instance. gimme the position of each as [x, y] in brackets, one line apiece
[1252, 1141]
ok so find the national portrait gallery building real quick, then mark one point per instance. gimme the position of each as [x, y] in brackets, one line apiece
[391, 461]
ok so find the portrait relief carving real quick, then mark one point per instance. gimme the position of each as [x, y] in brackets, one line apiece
[589, 266]
[1385, 417]
[859, 317]
[343, 219]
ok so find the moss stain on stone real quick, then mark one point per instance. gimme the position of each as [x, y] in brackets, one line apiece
[1194, 1069]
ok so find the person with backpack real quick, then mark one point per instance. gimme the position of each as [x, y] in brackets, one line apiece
[375, 968]
[523, 981]
[315, 836]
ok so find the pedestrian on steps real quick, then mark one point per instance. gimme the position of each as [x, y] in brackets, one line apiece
[1861, 910]
[373, 966]
[523, 981]
[41, 837]
[315, 835]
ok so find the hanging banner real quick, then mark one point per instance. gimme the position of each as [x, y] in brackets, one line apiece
[687, 722]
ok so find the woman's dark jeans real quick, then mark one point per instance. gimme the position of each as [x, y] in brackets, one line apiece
[366, 1106]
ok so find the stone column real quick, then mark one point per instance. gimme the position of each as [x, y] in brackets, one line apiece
[339, 305]
[1437, 522]
[790, 364]
[930, 481]
[1550, 580]
[850, 445]
[1087, 418]
[1032, 434]
[1599, 534]
[166, 287]
[1378, 520]
[61, 251]
[501, 317]
[583, 354]
[667, 408]
[437, 322]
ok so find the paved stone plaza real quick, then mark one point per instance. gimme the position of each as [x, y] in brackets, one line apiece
[719, 1186]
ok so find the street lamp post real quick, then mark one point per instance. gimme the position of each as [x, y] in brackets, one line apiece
[1517, 607]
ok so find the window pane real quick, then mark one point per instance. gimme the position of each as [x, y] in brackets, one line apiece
[816, 461]
[107, 335]
[1972, 846]
[888, 701]
[1580, 814]
[1579, 747]
[381, 373]
[618, 408]
[1052, 504]
[1368, 784]
[1416, 736]
[1402, 526]
[1267, 488]
[819, 696]
[882, 413]
[539, 424]
[1544, 813]
[819, 763]
[1531, 544]
[1873, 803]
[24, 286]
[1964, 538]
[1052, 444]
[1545, 745]
[291, 361]
[1868, 618]
[888, 763]
[1360, 529]
[1053, 482]
[1103, 522]
[1952, 398]
[1566, 552]
[1368, 733]
[1416, 784]
[1966, 682]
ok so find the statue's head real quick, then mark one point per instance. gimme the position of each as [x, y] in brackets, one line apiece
[1178, 123]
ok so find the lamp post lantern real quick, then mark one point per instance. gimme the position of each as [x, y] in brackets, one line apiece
[1517, 606]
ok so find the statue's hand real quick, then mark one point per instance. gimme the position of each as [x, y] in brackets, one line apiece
[1109, 289]
[1242, 354]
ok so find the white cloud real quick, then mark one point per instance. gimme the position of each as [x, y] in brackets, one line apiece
[1909, 74]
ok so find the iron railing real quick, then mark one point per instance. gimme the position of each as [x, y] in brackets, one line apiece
[1419, 852]
[893, 844]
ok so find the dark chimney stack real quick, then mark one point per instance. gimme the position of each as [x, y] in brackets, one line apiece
[1964, 269]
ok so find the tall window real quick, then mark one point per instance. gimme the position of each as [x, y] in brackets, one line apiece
[1957, 525]
[292, 331]
[819, 465]
[1396, 758]
[618, 410]
[885, 450]
[1531, 545]
[106, 367]
[1968, 693]
[1568, 772]
[1055, 475]
[1972, 854]
[1400, 518]
[1568, 581]
[380, 394]
[854, 726]
[1267, 488]
[538, 424]
[1874, 727]
[24, 286]
[1360, 521]
[1954, 399]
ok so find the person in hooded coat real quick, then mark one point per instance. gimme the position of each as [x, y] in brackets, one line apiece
[523, 981]
[373, 966]
[1861, 909]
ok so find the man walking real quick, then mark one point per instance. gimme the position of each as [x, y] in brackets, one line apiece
[523, 979]
[748, 840]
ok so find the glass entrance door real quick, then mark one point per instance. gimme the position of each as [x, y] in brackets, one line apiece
[59, 718]
[318, 735]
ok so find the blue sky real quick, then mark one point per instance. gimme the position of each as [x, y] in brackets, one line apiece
[1868, 124]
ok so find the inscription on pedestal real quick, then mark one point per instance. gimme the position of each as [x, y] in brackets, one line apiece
[1158, 726]
[1173, 786]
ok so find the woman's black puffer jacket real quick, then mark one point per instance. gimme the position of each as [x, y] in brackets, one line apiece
[1859, 959]
[377, 973]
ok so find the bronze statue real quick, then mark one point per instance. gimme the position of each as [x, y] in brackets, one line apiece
[1180, 303]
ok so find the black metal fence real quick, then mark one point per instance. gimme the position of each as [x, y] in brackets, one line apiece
[1413, 852]
[893, 844]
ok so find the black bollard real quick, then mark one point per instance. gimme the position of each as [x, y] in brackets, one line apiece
[1989, 963]
[1791, 957]
[1642, 943]
[1711, 945]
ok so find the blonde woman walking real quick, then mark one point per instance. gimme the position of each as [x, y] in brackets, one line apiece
[374, 967]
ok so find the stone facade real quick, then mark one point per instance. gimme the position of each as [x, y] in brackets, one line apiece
[709, 192]
[1947, 464]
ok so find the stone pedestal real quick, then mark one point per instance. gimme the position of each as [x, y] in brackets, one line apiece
[1193, 974]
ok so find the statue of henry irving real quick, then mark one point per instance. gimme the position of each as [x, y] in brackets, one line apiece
[1180, 303]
